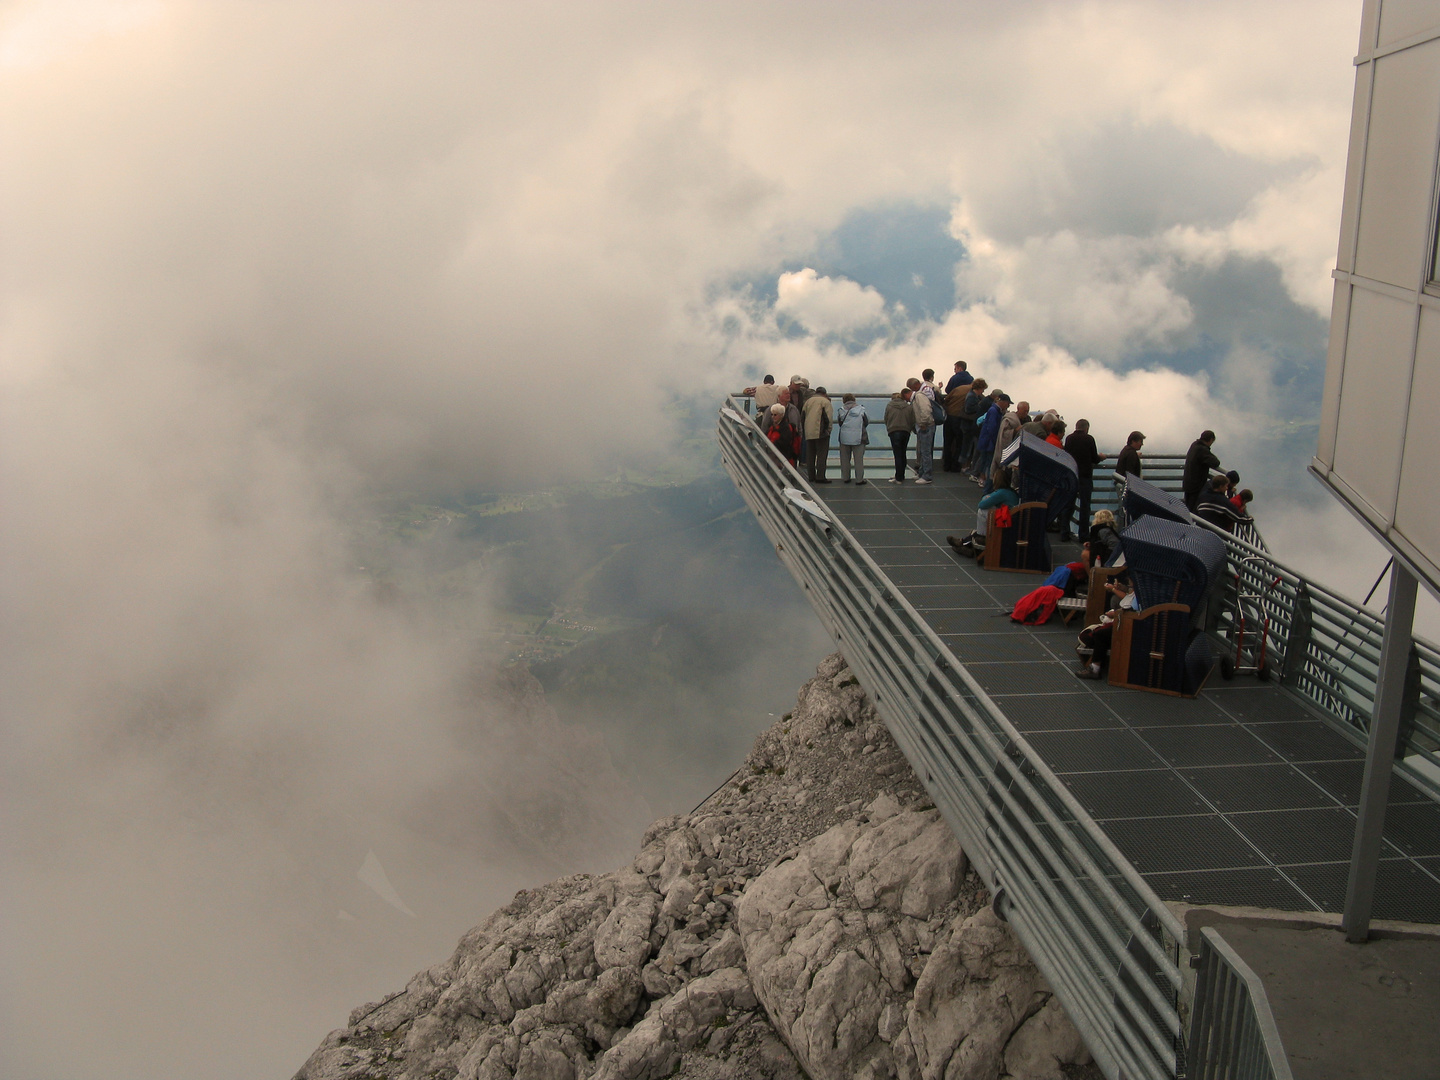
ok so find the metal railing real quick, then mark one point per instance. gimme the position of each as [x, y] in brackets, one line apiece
[1326, 648]
[1322, 645]
[1165, 471]
[1232, 1030]
[1102, 938]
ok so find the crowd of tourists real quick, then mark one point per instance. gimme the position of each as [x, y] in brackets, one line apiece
[975, 424]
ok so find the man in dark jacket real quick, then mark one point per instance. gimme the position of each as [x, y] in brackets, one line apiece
[1199, 460]
[962, 376]
[954, 428]
[977, 400]
[989, 432]
[1214, 507]
[1128, 461]
[1080, 445]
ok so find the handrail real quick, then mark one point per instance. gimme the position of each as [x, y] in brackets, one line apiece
[1233, 1035]
[1165, 471]
[1102, 938]
[1326, 649]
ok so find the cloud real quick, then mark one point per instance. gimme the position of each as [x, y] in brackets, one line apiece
[828, 305]
[1292, 224]
[1101, 296]
[265, 261]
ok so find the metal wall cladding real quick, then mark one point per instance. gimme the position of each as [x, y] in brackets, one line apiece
[1375, 449]
[1171, 563]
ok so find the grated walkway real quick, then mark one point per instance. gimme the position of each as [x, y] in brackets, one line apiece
[1242, 796]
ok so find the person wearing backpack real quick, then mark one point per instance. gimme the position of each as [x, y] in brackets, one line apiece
[785, 428]
[927, 410]
[852, 421]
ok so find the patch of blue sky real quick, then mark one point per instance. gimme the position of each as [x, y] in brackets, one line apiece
[903, 250]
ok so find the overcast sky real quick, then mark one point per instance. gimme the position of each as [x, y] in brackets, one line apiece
[261, 260]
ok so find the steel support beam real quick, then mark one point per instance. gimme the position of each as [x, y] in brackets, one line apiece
[1380, 753]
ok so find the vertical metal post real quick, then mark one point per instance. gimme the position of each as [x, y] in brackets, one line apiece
[1380, 753]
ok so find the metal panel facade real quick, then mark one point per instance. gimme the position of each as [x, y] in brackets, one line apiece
[1376, 450]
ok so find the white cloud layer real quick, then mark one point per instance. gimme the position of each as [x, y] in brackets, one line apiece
[264, 259]
[828, 305]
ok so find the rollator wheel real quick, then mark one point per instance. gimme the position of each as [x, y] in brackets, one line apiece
[1227, 668]
[1263, 673]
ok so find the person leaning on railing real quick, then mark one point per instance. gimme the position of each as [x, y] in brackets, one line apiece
[1214, 507]
[765, 395]
[1128, 461]
[1199, 461]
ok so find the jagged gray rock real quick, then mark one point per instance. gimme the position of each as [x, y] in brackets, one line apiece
[816, 913]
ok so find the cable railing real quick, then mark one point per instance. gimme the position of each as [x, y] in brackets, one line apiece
[1102, 938]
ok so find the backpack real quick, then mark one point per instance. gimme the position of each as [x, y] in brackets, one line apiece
[937, 412]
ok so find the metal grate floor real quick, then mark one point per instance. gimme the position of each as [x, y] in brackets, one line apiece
[1243, 796]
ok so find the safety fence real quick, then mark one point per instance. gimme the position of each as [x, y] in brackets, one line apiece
[1105, 942]
[1165, 471]
[1275, 622]
[1232, 1030]
[1325, 647]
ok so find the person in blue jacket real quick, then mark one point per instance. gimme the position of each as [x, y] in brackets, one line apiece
[989, 432]
[1003, 495]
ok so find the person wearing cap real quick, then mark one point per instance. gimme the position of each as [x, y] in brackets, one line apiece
[989, 432]
[1128, 461]
[819, 419]
[1010, 427]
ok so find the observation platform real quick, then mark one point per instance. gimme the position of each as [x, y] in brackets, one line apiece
[1242, 796]
[1117, 830]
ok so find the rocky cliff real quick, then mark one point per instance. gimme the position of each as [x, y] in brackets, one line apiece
[814, 917]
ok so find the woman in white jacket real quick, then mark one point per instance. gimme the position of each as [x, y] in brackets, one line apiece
[850, 418]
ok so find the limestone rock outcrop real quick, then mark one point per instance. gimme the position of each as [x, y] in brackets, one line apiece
[814, 917]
